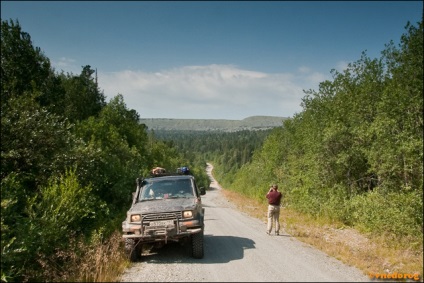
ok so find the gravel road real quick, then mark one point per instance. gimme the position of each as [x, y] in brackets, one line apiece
[237, 249]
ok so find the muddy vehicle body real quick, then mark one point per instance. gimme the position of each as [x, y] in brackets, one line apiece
[165, 208]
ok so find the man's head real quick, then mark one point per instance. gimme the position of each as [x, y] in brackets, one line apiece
[275, 187]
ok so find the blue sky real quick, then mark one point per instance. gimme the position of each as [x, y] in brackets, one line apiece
[211, 60]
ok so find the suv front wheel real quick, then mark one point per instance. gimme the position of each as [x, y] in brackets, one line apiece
[133, 249]
[197, 245]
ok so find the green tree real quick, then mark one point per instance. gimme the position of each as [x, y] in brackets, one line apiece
[34, 142]
[83, 98]
[25, 70]
[122, 155]
[397, 154]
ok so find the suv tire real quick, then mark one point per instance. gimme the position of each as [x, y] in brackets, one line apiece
[133, 250]
[197, 245]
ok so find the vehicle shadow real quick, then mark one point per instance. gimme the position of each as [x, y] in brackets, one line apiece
[217, 249]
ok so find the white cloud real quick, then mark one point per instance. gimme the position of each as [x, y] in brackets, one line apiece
[341, 66]
[304, 69]
[66, 64]
[209, 92]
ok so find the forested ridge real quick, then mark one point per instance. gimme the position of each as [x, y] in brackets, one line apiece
[249, 123]
[69, 158]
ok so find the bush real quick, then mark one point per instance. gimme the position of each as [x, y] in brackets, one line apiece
[62, 211]
[398, 213]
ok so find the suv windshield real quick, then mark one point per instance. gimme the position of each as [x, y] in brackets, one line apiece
[164, 189]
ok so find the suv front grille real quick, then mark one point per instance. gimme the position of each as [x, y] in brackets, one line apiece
[162, 216]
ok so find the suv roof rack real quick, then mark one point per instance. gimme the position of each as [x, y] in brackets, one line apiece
[166, 174]
[160, 172]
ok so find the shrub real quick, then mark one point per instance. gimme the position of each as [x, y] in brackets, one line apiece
[400, 213]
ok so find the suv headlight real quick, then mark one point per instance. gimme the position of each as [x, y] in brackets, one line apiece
[135, 218]
[187, 214]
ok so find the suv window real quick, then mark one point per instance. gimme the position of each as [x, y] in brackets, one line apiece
[164, 189]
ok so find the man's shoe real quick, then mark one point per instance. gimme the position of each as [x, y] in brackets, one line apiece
[267, 233]
[277, 233]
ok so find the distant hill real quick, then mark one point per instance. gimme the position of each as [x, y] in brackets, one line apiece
[249, 123]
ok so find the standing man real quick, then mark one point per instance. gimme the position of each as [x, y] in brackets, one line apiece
[274, 199]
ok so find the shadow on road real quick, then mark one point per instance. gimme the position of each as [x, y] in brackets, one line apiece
[211, 189]
[218, 249]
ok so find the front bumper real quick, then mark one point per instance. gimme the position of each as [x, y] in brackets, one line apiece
[147, 233]
[162, 233]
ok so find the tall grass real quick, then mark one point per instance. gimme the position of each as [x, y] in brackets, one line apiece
[97, 261]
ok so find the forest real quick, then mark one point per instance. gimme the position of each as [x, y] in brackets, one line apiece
[69, 158]
[228, 149]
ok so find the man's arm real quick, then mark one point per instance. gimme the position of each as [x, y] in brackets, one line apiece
[270, 190]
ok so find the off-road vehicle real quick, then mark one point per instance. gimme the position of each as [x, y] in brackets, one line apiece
[165, 207]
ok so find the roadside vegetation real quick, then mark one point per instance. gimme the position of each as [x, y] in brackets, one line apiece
[349, 165]
[371, 253]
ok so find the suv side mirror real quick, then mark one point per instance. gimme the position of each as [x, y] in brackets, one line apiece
[202, 191]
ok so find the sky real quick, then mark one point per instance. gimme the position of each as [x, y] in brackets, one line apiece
[211, 59]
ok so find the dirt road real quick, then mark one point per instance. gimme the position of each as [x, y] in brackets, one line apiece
[237, 249]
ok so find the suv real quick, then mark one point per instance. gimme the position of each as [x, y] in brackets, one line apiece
[165, 207]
